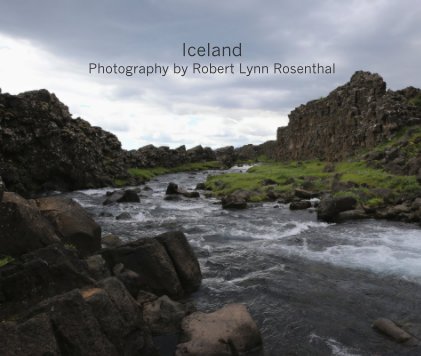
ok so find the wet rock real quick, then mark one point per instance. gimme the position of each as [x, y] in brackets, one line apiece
[147, 188]
[174, 189]
[200, 186]
[164, 315]
[22, 226]
[1, 189]
[72, 223]
[184, 260]
[122, 196]
[389, 328]
[123, 216]
[150, 260]
[330, 207]
[356, 214]
[305, 194]
[227, 331]
[234, 201]
[300, 205]
[97, 267]
[111, 241]
[34, 336]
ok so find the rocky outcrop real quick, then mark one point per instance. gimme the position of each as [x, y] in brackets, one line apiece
[43, 148]
[71, 223]
[227, 331]
[151, 156]
[358, 115]
[255, 152]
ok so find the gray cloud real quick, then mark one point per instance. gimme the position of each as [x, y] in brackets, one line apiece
[380, 35]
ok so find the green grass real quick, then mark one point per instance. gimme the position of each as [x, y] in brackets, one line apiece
[149, 173]
[416, 100]
[6, 260]
[364, 181]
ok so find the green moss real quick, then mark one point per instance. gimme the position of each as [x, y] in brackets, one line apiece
[149, 173]
[6, 260]
[415, 100]
[375, 202]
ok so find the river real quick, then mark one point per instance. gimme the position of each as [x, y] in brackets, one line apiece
[313, 288]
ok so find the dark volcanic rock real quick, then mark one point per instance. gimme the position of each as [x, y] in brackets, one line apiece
[76, 328]
[34, 336]
[165, 264]
[174, 189]
[22, 226]
[330, 207]
[234, 201]
[300, 205]
[150, 260]
[72, 223]
[40, 274]
[1, 189]
[226, 155]
[183, 258]
[122, 196]
[359, 114]
[64, 154]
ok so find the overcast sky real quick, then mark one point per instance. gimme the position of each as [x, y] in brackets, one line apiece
[49, 44]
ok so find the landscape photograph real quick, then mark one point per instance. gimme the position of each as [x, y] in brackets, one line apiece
[207, 178]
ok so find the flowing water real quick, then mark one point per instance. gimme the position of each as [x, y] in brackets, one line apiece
[313, 288]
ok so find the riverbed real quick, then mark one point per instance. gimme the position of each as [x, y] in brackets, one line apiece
[313, 288]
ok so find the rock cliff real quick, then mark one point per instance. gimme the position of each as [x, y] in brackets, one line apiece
[358, 115]
[43, 148]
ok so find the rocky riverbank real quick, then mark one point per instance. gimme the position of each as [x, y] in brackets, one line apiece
[62, 294]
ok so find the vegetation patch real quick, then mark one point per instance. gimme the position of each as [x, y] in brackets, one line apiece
[366, 184]
[5, 260]
[149, 173]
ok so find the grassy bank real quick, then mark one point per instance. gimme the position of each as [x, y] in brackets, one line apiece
[370, 186]
[146, 174]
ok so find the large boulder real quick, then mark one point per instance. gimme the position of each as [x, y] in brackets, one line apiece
[227, 331]
[122, 196]
[330, 207]
[150, 260]
[72, 223]
[164, 265]
[184, 260]
[22, 226]
[233, 202]
[174, 189]
[300, 205]
[1, 189]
